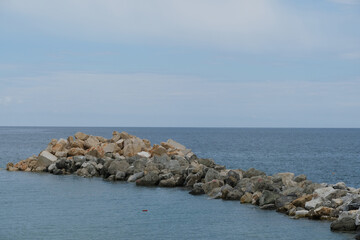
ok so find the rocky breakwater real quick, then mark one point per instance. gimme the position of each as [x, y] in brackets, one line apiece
[128, 158]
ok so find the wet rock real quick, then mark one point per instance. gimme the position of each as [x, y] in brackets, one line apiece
[283, 200]
[343, 224]
[301, 214]
[197, 189]
[150, 179]
[120, 175]
[270, 206]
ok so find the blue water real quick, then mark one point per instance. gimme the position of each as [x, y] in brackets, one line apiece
[44, 206]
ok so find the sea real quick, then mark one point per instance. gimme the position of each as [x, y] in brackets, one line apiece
[44, 206]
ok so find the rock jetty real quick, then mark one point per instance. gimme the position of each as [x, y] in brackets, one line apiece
[125, 157]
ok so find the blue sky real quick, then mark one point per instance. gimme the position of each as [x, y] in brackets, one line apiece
[204, 63]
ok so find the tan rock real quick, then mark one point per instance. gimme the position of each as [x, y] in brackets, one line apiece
[256, 198]
[132, 146]
[96, 152]
[76, 151]
[158, 150]
[81, 136]
[91, 141]
[101, 139]
[147, 143]
[110, 147]
[176, 145]
[300, 202]
[78, 144]
[323, 211]
[61, 154]
[246, 198]
[116, 136]
[125, 135]
[166, 145]
[70, 139]
[59, 146]
[44, 160]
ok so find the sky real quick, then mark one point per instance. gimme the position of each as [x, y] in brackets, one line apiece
[189, 63]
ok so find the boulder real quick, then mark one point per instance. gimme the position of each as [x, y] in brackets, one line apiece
[116, 166]
[301, 213]
[158, 150]
[110, 147]
[76, 151]
[252, 172]
[144, 154]
[211, 174]
[300, 202]
[45, 159]
[81, 136]
[175, 144]
[268, 197]
[132, 146]
[197, 189]
[209, 186]
[92, 142]
[170, 182]
[207, 162]
[325, 193]
[232, 178]
[246, 198]
[135, 176]
[340, 185]
[150, 179]
[300, 178]
[97, 152]
[286, 179]
[314, 203]
[343, 224]
[120, 175]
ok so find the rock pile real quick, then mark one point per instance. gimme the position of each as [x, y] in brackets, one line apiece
[128, 158]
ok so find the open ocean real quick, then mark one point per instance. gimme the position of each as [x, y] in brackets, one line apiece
[45, 206]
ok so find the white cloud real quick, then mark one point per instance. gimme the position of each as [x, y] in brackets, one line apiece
[262, 25]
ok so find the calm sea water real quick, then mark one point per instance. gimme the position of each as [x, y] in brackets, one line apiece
[43, 206]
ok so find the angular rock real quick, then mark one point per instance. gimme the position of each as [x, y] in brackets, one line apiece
[246, 198]
[81, 136]
[144, 154]
[268, 197]
[92, 142]
[207, 162]
[344, 224]
[211, 174]
[150, 179]
[45, 159]
[175, 144]
[300, 202]
[116, 166]
[252, 172]
[197, 189]
[232, 178]
[135, 176]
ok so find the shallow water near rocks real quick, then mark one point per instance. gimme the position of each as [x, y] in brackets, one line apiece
[44, 206]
